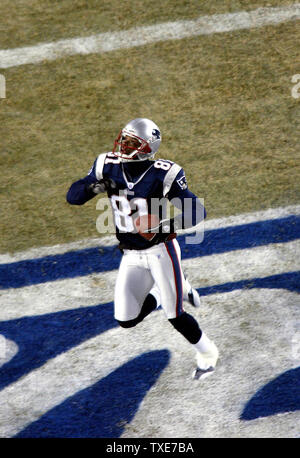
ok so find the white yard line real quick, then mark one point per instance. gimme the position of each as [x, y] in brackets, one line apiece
[139, 36]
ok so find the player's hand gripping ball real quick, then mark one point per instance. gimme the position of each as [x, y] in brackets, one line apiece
[145, 223]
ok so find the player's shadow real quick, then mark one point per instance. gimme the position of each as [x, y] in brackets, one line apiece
[278, 396]
[103, 409]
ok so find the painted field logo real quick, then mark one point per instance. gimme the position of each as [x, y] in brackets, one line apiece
[2, 87]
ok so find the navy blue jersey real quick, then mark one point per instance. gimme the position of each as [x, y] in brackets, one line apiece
[141, 188]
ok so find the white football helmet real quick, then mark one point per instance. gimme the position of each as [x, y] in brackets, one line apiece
[148, 135]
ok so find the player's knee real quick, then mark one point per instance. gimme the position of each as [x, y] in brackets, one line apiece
[128, 323]
[187, 326]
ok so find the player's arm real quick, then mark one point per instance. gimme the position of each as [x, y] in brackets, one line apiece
[83, 190]
[193, 211]
[79, 192]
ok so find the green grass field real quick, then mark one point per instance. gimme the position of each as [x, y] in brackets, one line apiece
[223, 103]
[28, 22]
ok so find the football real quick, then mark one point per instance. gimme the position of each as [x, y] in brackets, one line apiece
[146, 222]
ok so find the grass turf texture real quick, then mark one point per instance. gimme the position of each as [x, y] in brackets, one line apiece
[28, 22]
[223, 103]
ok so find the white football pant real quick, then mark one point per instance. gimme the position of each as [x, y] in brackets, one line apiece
[158, 269]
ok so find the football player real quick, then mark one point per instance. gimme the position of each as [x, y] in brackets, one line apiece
[150, 272]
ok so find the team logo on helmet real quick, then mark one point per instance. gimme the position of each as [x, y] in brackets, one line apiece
[156, 133]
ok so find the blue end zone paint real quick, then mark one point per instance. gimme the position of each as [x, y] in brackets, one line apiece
[43, 337]
[50, 268]
[103, 409]
[278, 396]
[40, 338]
[93, 260]
[289, 281]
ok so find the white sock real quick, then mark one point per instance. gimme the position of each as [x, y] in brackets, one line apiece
[203, 345]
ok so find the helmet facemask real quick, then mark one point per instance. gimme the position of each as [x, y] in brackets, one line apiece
[142, 152]
[144, 136]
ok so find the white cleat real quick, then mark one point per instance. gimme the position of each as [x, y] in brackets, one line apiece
[200, 373]
[194, 298]
[192, 295]
[206, 362]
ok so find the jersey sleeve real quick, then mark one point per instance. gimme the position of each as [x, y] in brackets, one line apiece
[175, 182]
[193, 211]
[78, 193]
[96, 170]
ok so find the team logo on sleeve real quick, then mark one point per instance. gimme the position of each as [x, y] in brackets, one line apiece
[182, 183]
